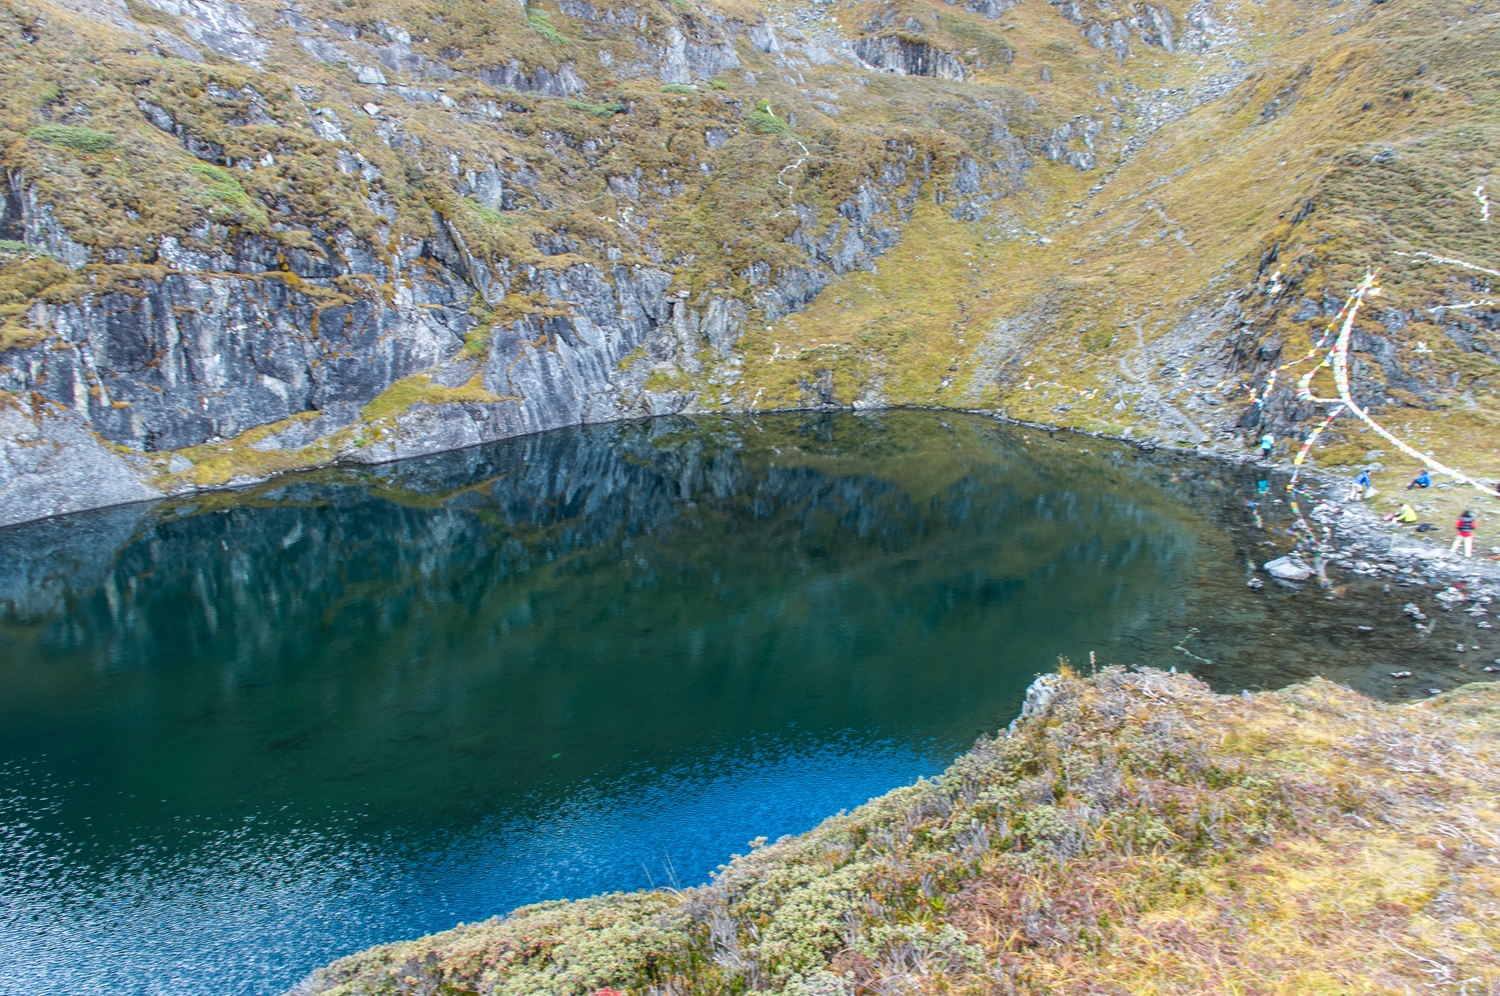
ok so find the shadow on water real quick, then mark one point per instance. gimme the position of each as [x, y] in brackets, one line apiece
[245, 734]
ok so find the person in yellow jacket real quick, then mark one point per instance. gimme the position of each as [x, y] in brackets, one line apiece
[1406, 515]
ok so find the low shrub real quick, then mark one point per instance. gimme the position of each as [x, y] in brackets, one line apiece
[764, 120]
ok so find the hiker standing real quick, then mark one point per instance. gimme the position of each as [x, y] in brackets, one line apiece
[1465, 527]
[1361, 485]
[1267, 444]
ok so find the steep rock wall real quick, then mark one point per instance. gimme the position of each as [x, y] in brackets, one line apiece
[245, 335]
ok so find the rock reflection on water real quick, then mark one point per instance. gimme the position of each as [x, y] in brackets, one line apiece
[245, 734]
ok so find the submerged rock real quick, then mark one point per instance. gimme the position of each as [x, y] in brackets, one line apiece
[1288, 569]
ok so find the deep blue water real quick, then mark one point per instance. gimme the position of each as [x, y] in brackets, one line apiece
[243, 735]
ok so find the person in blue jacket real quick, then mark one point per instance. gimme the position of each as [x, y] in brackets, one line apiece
[1361, 485]
[1422, 480]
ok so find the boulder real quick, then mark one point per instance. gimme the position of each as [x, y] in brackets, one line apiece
[1287, 569]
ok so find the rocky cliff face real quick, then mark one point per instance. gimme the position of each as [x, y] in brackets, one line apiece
[239, 239]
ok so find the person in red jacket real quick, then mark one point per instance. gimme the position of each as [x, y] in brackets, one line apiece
[1465, 527]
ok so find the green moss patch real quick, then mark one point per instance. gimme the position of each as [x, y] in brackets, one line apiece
[420, 390]
[225, 191]
[72, 137]
[602, 110]
[542, 22]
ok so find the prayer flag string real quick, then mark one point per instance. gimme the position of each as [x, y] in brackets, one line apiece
[1337, 359]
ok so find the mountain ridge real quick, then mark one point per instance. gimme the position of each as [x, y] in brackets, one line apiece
[250, 238]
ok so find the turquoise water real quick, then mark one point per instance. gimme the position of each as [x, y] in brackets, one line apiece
[243, 735]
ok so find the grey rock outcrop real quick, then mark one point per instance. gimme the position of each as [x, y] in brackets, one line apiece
[564, 82]
[51, 464]
[223, 28]
[356, 236]
[909, 57]
[189, 357]
[1081, 130]
[1153, 25]
[23, 215]
[990, 9]
[685, 61]
[220, 340]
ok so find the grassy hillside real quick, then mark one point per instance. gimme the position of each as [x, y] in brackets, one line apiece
[1136, 833]
[1345, 137]
[1107, 236]
[1114, 219]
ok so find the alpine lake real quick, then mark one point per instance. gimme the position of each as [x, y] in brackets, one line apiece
[244, 734]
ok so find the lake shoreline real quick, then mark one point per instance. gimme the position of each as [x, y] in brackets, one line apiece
[1127, 827]
[1351, 520]
[577, 663]
[1354, 522]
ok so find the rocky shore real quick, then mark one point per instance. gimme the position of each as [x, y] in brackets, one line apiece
[1352, 535]
[1359, 540]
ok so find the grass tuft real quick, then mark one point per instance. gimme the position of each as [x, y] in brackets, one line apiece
[542, 22]
[72, 137]
[225, 189]
[490, 215]
[24, 278]
[420, 389]
[602, 110]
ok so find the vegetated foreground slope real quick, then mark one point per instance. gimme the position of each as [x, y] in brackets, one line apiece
[1132, 833]
[242, 238]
